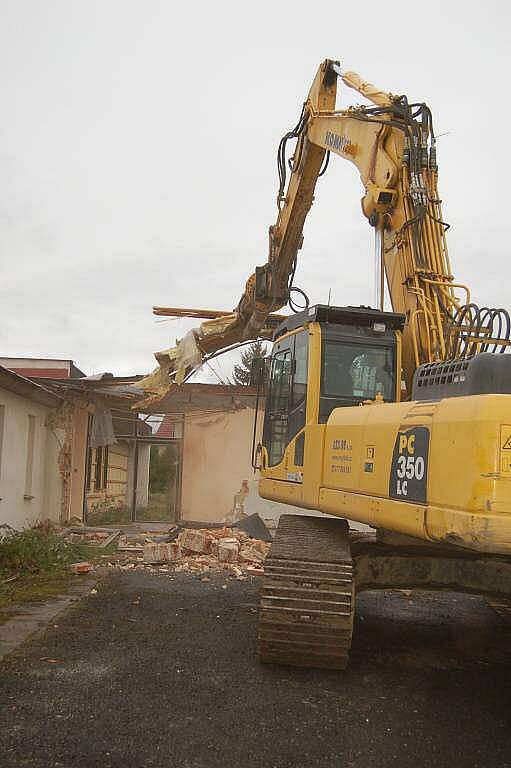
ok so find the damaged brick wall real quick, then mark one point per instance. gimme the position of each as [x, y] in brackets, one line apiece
[68, 424]
[216, 460]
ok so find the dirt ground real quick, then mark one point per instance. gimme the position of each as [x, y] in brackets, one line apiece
[156, 671]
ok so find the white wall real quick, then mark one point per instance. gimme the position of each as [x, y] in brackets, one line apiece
[79, 460]
[46, 483]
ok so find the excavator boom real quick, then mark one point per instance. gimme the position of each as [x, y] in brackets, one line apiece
[392, 144]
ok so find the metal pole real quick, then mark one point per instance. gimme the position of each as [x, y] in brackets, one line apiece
[378, 270]
[135, 480]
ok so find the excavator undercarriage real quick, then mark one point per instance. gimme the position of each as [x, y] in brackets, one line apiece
[317, 565]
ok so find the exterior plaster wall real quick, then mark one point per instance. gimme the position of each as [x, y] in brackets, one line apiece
[15, 509]
[79, 461]
[217, 451]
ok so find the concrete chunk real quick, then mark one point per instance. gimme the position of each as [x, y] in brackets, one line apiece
[228, 550]
[155, 552]
[195, 541]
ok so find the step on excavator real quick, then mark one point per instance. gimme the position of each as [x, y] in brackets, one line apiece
[399, 420]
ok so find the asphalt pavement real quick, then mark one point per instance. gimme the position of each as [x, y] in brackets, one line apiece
[152, 671]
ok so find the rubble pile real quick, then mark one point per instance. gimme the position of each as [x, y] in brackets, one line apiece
[191, 550]
[92, 537]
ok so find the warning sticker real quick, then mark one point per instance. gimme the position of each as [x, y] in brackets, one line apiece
[505, 449]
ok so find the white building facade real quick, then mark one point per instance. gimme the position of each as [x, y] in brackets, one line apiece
[30, 481]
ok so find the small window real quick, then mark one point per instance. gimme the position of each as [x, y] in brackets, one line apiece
[299, 450]
[88, 474]
[98, 460]
[105, 467]
[300, 369]
[101, 468]
[280, 381]
[297, 411]
[97, 468]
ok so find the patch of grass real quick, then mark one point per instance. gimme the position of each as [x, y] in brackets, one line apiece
[32, 589]
[34, 565]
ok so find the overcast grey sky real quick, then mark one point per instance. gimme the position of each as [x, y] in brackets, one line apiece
[137, 157]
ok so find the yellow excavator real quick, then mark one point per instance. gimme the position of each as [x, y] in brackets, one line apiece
[400, 420]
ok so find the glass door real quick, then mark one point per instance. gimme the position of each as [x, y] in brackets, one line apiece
[157, 482]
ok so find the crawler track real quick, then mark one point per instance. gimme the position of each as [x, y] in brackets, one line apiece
[307, 599]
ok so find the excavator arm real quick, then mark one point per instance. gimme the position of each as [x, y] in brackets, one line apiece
[392, 144]
[393, 147]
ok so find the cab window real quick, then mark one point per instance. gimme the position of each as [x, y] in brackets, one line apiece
[351, 373]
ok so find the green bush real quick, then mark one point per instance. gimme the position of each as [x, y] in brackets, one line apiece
[162, 468]
[35, 551]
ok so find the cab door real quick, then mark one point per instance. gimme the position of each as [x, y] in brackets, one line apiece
[286, 408]
[276, 415]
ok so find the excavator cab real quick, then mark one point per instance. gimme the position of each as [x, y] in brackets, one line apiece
[324, 358]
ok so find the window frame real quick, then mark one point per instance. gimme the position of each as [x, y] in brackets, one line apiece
[291, 420]
[363, 348]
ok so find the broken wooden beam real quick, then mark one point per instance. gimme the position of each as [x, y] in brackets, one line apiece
[204, 314]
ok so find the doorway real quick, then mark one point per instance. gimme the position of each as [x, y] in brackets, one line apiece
[138, 477]
[157, 497]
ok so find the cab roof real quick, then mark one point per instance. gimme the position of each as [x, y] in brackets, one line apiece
[323, 313]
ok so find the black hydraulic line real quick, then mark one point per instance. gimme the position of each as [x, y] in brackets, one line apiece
[296, 307]
[325, 164]
[443, 224]
[473, 328]
[254, 432]
[281, 152]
